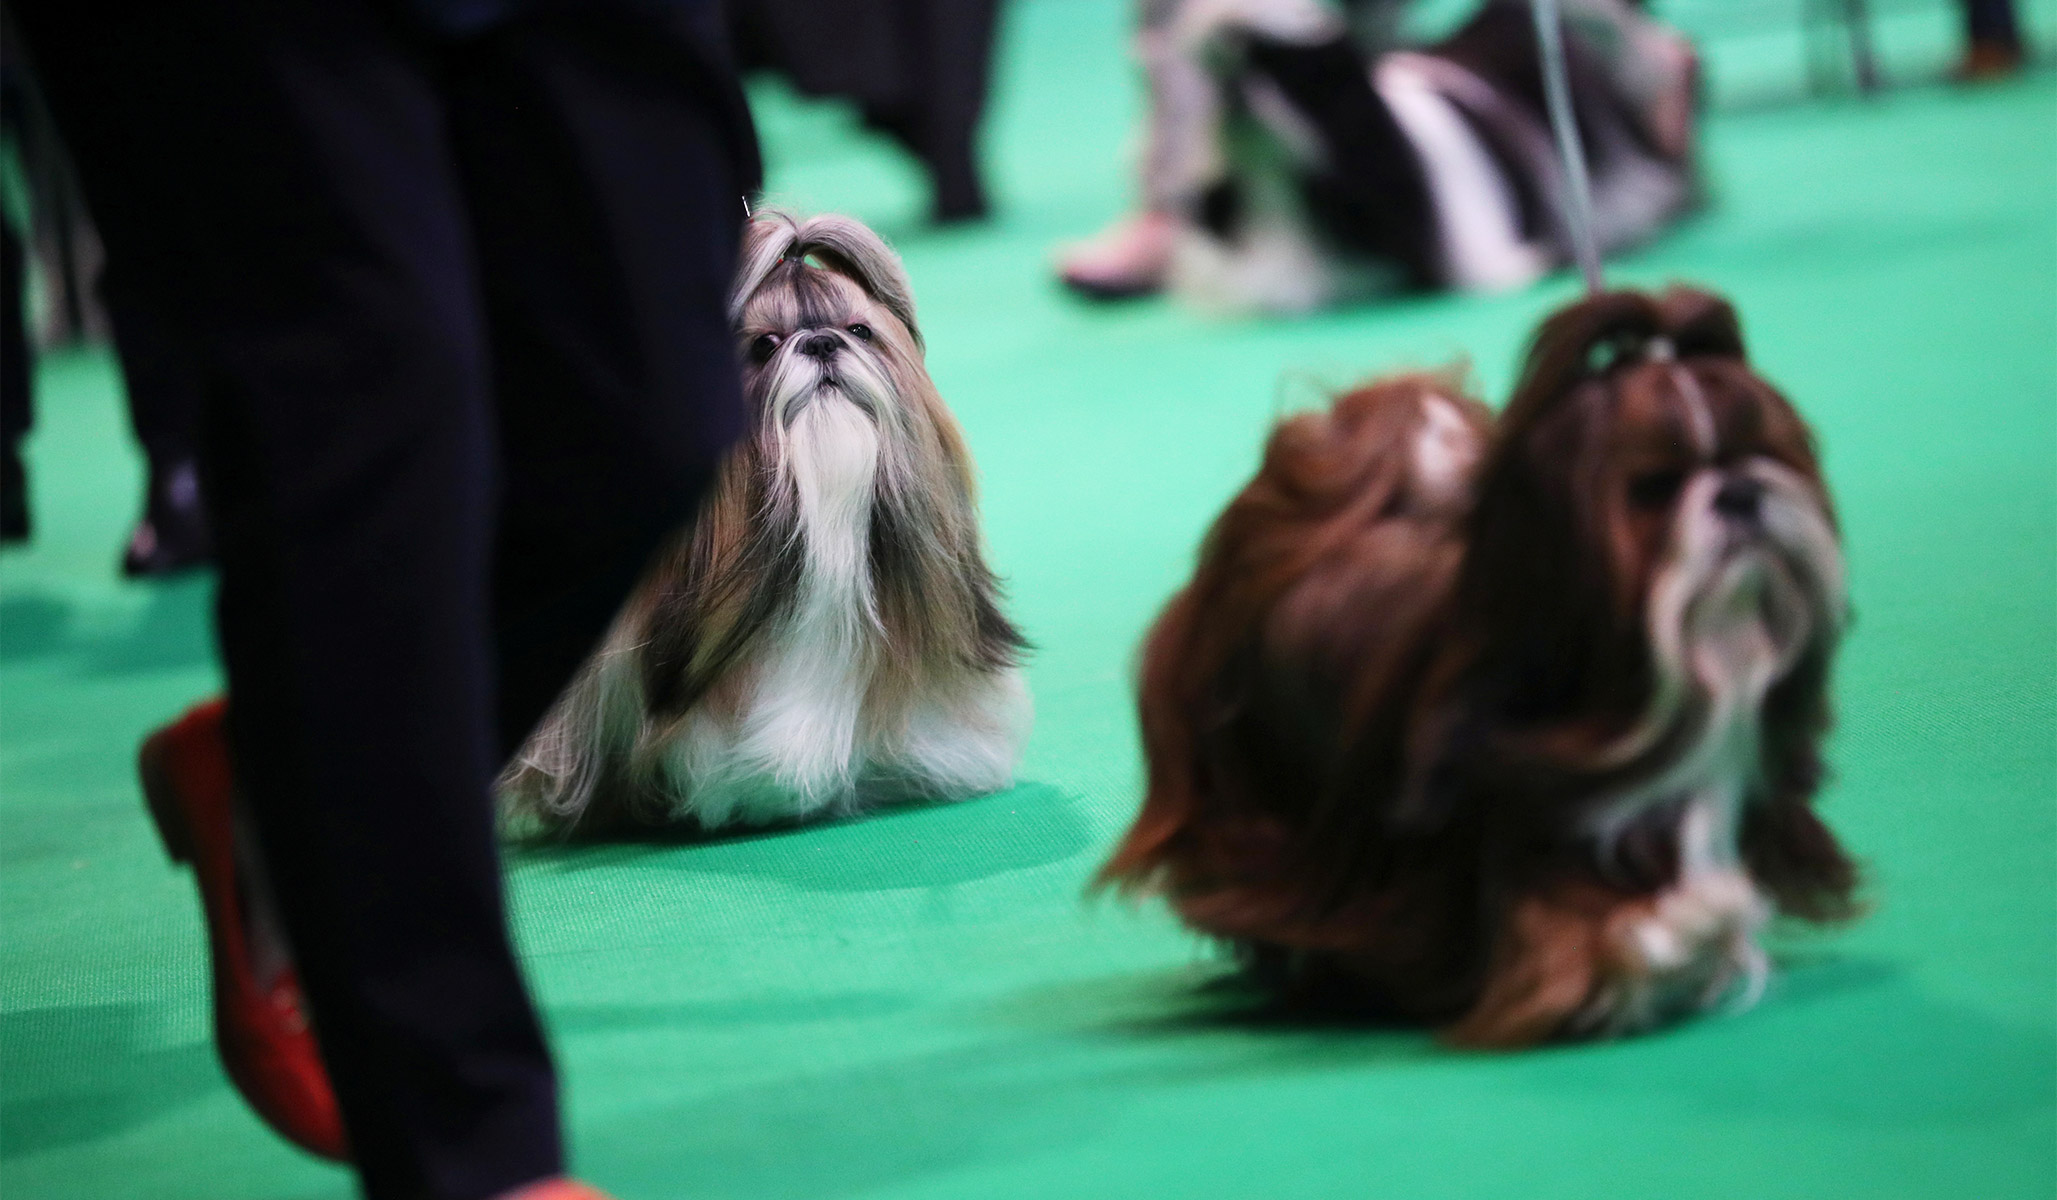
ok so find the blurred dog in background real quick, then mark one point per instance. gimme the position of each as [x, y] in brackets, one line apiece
[1299, 156]
[1512, 729]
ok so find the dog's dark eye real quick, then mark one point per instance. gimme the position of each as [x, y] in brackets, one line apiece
[861, 332]
[1655, 489]
[762, 347]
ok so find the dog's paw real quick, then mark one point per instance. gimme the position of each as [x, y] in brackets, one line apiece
[1686, 950]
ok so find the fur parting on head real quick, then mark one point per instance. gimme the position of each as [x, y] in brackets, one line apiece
[828, 633]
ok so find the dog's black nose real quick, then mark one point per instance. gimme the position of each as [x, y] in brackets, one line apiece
[821, 345]
[1739, 499]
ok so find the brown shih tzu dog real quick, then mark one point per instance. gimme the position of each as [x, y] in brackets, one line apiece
[1510, 730]
[827, 633]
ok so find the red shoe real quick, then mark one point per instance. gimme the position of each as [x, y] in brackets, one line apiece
[261, 1032]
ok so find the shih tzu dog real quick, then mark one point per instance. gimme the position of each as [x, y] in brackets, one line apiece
[1308, 169]
[827, 633]
[1511, 730]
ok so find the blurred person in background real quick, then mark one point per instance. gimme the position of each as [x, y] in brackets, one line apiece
[159, 383]
[1653, 66]
[1993, 47]
[162, 382]
[917, 71]
[17, 339]
[451, 277]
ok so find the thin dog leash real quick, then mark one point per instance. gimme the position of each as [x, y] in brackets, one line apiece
[1585, 247]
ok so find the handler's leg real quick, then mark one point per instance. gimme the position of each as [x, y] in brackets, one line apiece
[606, 152]
[278, 174]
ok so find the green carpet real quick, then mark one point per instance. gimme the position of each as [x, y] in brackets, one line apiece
[921, 1005]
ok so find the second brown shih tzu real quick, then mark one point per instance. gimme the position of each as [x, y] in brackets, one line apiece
[1510, 728]
[828, 633]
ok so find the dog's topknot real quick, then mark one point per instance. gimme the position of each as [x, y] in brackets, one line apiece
[1594, 336]
[832, 242]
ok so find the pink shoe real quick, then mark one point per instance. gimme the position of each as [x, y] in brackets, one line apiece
[1128, 258]
[556, 1189]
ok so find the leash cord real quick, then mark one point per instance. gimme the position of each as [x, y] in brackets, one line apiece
[1578, 185]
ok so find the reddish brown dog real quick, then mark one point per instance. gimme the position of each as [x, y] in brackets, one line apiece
[1513, 728]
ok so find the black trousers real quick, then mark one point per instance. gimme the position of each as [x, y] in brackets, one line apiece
[158, 377]
[17, 412]
[1991, 21]
[454, 281]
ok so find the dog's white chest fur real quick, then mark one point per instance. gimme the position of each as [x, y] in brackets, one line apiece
[809, 728]
[798, 728]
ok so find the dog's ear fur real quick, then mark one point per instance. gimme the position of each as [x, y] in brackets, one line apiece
[838, 243]
[1274, 717]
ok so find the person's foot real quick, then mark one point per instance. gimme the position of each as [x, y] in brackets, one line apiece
[556, 1189]
[1986, 60]
[1128, 258]
[173, 534]
[261, 1028]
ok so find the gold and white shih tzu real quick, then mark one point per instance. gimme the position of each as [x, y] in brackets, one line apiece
[827, 634]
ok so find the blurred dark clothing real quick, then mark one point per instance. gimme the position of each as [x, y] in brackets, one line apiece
[17, 344]
[160, 385]
[163, 379]
[1992, 22]
[454, 293]
[917, 70]
[16, 413]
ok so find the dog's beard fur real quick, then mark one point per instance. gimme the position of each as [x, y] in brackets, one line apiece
[1730, 615]
[828, 632]
[1534, 761]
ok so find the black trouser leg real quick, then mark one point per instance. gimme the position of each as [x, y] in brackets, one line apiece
[162, 382]
[1991, 21]
[362, 242]
[158, 375]
[607, 205]
[16, 411]
[279, 175]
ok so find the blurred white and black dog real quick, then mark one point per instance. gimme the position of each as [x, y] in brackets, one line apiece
[1306, 172]
[827, 634]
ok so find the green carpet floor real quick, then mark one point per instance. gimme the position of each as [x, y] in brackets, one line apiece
[921, 1005]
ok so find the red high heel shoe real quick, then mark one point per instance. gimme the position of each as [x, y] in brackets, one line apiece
[260, 1031]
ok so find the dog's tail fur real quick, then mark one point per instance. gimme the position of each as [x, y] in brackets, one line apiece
[571, 772]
